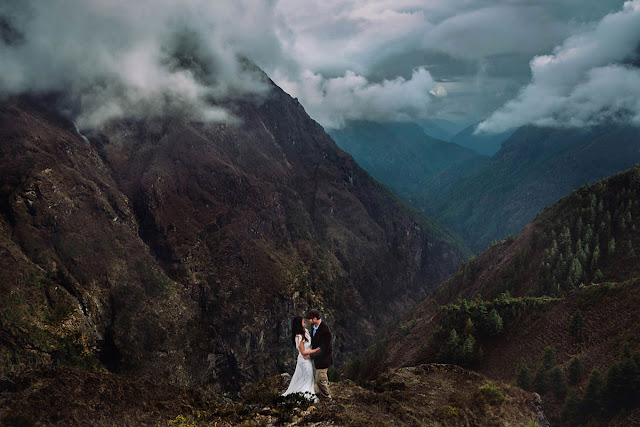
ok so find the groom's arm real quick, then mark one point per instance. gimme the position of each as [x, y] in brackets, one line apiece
[325, 345]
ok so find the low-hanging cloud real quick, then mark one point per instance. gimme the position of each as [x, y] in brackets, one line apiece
[592, 78]
[118, 58]
[334, 101]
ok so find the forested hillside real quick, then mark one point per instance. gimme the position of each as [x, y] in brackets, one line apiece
[554, 309]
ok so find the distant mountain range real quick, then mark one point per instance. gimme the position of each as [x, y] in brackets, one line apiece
[483, 143]
[440, 128]
[484, 199]
[401, 155]
[534, 168]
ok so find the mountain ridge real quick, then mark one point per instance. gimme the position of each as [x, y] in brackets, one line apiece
[175, 249]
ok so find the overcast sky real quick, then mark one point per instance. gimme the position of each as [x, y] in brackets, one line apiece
[512, 62]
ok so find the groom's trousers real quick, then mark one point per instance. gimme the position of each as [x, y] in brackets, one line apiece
[322, 383]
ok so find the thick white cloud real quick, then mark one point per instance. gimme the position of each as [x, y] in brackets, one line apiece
[332, 101]
[482, 45]
[116, 58]
[586, 81]
[343, 59]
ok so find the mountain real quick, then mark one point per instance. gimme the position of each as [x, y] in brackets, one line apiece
[544, 310]
[400, 155]
[535, 167]
[178, 251]
[483, 143]
[440, 128]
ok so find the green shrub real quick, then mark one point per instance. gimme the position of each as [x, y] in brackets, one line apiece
[492, 393]
[450, 412]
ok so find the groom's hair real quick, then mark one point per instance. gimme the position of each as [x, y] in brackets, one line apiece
[311, 314]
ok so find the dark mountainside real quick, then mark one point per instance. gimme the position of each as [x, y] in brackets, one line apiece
[401, 155]
[544, 310]
[484, 143]
[534, 168]
[178, 251]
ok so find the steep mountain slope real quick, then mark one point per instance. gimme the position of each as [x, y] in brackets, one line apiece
[534, 168]
[487, 144]
[568, 282]
[400, 155]
[178, 251]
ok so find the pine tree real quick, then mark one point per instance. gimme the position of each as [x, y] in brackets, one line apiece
[612, 247]
[575, 272]
[597, 276]
[575, 370]
[548, 358]
[451, 349]
[541, 380]
[595, 257]
[468, 327]
[494, 323]
[467, 350]
[592, 402]
[623, 384]
[577, 321]
[571, 411]
[523, 377]
[558, 382]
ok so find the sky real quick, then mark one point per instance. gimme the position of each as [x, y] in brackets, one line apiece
[506, 63]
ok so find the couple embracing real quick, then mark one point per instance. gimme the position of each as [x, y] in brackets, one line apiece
[314, 350]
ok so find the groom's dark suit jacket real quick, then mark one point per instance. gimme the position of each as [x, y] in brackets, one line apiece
[322, 359]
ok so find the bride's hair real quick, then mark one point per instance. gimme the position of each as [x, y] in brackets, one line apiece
[297, 329]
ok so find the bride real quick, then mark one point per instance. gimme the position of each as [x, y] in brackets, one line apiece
[302, 379]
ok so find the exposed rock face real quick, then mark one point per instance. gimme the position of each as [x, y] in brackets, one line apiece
[180, 250]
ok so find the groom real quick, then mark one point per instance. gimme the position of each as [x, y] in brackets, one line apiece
[322, 359]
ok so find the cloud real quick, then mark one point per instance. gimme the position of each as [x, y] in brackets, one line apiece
[590, 79]
[462, 58]
[457, 40]
[333, 101]
[118, 58]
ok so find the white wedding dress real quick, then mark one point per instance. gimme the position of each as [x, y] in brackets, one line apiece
[302, 379]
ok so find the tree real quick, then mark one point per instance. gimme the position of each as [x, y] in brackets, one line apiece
[612, 247]
[558, 382]
[577, 321]
[494, 323]
[548, 358]
[468, 327]
[575, 370]
[541, 380]
[523, 377]
[623, 384]
[575, 272]
[592, 399]
[571, 411]
[450, 350]
[467, 350]
[597, 276]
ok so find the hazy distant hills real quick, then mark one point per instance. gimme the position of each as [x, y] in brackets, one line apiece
[544, 309]
[486, 199]
[483, 143]
[401, 155]
[534, 168]
[440, 128]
